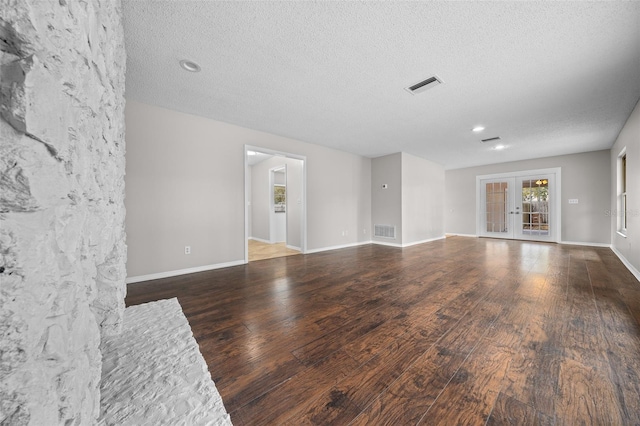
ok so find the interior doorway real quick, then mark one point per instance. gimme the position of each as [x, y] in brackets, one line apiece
[523, 205]
[275, 208]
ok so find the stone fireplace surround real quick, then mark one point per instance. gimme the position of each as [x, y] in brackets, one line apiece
[62, 239]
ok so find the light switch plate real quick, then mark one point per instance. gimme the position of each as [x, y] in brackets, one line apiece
[573, 201]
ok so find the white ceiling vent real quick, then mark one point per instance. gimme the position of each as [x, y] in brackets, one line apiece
[384, 231]
[497, 138]
[424, 85]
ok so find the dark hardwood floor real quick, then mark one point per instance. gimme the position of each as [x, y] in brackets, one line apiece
[461, 331]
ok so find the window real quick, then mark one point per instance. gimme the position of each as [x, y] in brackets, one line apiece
[279, 198]
[622, 192]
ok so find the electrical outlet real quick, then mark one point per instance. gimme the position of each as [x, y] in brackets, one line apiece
[364, 230]
[187, 249]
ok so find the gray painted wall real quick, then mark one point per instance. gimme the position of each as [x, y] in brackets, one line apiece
[185, 186]
[629, 137]
[386, 204]
[422, 199]
[295, 182]
[413, 200]
[585, 176]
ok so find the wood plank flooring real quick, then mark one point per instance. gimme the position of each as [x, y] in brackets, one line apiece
[260, 251]
[461, 331]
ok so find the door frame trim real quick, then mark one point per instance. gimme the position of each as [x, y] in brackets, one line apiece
[556, 199]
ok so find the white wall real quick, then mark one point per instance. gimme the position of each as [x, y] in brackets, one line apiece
[259, 209]
[628, 247]
[185, 186]
[585, 176]
[422, 199]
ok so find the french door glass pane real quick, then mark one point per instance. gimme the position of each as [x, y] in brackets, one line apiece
[496, 206]
[535, 207]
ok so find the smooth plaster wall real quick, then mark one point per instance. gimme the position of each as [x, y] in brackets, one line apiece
[422, 199]
[629, 137]
[585, 176]
[295, 183]
[185, 186]
[386, 204]
[62, 153]
[259, 208]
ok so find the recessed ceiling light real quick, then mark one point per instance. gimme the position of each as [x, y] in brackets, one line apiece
[189, 65]
[477, 129]
[252, 153]
[499, 147]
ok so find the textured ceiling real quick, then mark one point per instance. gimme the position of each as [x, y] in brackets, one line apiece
[549, 78]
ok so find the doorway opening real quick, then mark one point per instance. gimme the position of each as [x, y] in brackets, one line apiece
[521, 205]
[275, 207]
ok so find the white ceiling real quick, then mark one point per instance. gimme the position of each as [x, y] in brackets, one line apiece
[549, 78]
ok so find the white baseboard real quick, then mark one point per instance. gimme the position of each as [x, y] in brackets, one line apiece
[579, 243]
[461, 235]
[131, 280]
[626, 263]
[361, 243]
[294, 247]
[383, 243]
[261, 240]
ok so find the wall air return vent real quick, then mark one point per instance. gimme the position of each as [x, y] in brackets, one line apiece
[384, 231]
[424, 85]
[497, 138]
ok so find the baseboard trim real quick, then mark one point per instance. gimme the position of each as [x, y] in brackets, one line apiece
[260, 240]
[461, 235]
[579, 243]
[626, 263]
[361, 243]
[159, 275]
[414, 243]
[293, 247]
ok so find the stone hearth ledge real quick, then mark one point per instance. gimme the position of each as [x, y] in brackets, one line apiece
[154, 374]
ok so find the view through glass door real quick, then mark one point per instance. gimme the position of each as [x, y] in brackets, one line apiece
[534, 202]
[497, 196]
[518, 207]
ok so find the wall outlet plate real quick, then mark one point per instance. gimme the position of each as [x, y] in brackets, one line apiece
[187, 249]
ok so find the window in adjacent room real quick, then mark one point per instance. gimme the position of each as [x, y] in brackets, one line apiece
[622, 192]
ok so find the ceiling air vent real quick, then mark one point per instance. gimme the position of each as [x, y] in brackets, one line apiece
[497, 138]
[424, 85]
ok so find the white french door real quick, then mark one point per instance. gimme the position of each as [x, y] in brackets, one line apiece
[519, 206]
